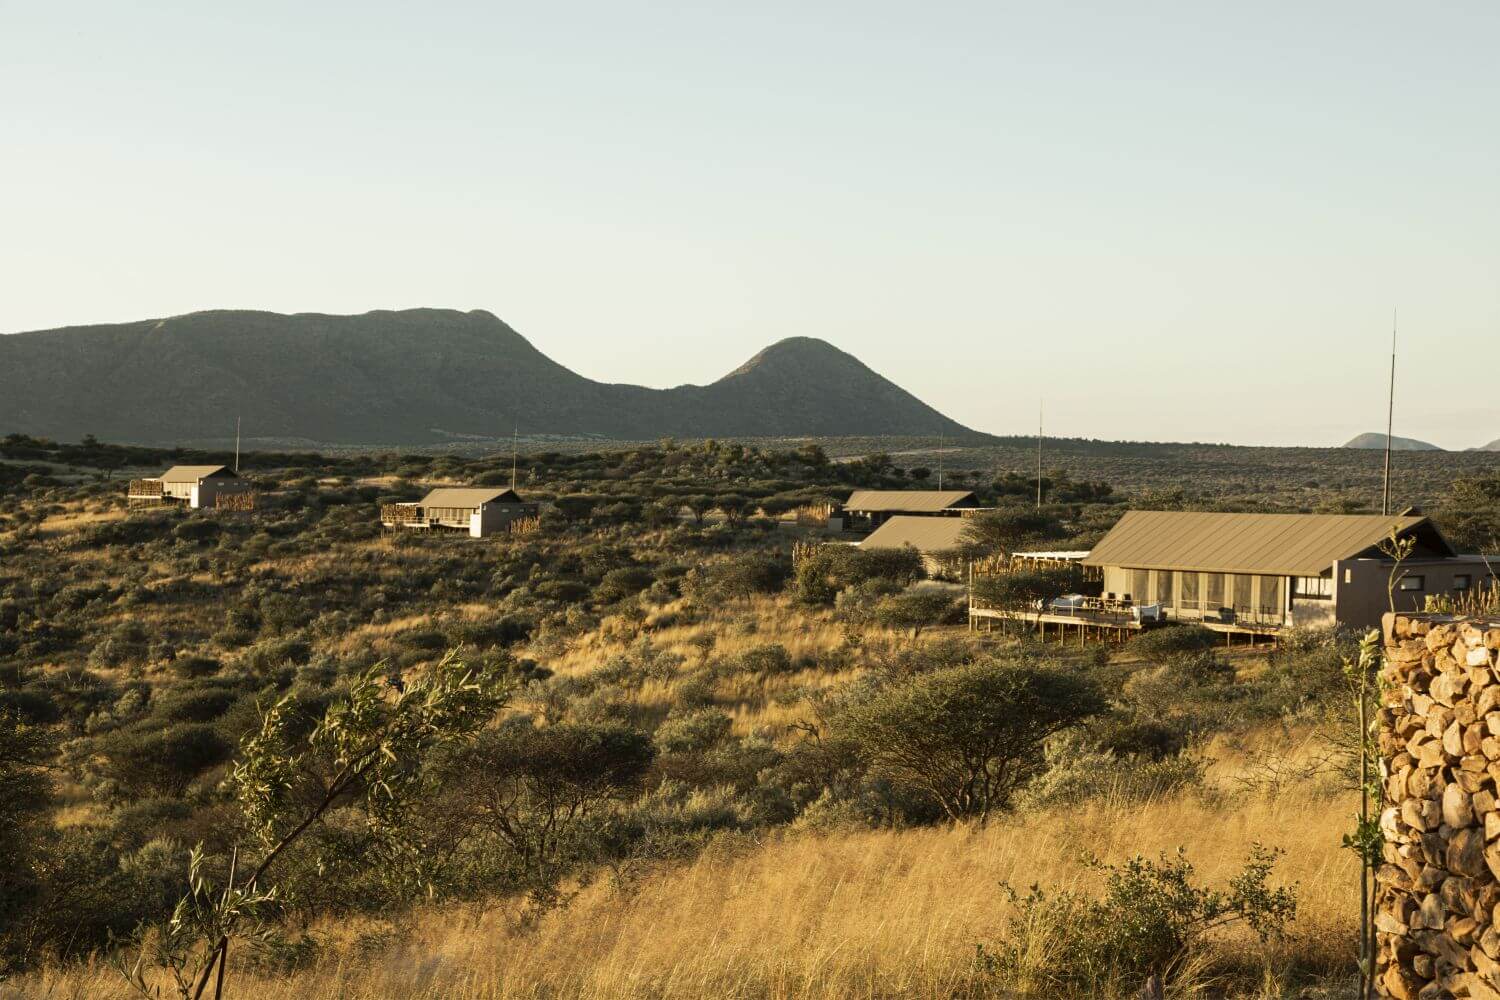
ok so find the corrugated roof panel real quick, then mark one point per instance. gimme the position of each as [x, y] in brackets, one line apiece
[192, 473]
[467, 496]
[916, 501]
[1271, 544]
[925, 534]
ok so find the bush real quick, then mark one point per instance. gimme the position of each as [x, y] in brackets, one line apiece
[618, 584]
[160, 761]
[767, 661]
[1171, 640]
[915, 610]
[1150, 916]
[828, 569]
[193, 706]
[694, 732]
[968, 736]
[740, 576]
[195, 666]
[1023, 589]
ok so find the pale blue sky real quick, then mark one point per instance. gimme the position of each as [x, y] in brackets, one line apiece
[1178, 221]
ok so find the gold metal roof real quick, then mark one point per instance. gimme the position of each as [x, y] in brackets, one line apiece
[1273, 544]
[469, 496]
[925, 534]
[193, 473]
[911, 501]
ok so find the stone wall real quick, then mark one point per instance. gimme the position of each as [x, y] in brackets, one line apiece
[1438, 892]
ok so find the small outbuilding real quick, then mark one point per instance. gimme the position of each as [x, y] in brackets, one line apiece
[938, 539]
[869, 509]
[480, 511]
[192, 485]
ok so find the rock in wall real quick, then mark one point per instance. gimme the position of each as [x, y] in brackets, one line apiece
[1437, 898]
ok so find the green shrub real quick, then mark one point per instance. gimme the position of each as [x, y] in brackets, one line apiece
[1150, 916]
[968, 736]
[914, 610]
[693, 732]
[828, 569]
[739, 577]
[1170, 640]
[195, 666]
[767, 661]
[618, 584]
[193, 705]
[160, 761]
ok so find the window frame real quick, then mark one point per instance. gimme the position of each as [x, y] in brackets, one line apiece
[1321, 591]
[1415, 583]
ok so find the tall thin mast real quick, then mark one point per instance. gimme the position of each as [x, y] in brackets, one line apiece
[236, 444]
[515, 443]
[1390, 422]
[1039, 455]
[940, 461]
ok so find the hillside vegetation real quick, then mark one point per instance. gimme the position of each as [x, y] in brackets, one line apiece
[410, 377]
[634, 752]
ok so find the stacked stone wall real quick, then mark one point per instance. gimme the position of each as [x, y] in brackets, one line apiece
[1437, 904]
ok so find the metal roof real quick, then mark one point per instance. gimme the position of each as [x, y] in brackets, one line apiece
[913, 501]
[1273, 544]
[193, 473]
[469, 496]
[925, 534]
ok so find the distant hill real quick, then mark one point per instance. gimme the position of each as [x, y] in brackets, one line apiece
[417, 376]
[1492, 446]
[1377, 440]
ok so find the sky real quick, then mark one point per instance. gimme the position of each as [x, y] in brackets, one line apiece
[1185, 221]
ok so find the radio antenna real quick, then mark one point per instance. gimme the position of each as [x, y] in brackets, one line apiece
[1039, 454]
[1390, 421]
[515, 442]
[236, 444]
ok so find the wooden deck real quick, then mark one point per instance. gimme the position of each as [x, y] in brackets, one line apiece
[1108, 624]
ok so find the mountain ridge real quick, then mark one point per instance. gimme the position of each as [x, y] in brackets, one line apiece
[1374, 440]
[412, 376]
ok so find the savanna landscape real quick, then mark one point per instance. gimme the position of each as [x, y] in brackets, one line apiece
[638, 749]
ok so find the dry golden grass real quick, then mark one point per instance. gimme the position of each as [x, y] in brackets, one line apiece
[838, 914]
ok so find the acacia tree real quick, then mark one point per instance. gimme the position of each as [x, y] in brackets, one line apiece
[368, 751]
[968, 736]
[531, 788]
[1006, 528]
[913, 610]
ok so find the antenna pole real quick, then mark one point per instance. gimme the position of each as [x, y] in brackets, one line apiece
[515, 443]
[1039, 455]
[236, 444]
[1390, 422]
[940, 461]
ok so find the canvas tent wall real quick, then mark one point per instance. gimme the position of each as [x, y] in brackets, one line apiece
[1263, 569]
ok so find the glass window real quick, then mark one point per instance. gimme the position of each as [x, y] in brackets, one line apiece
[1190, 596]
[1164, 587]
[1462, 581]
[1314, 587]
[1215, 590]
[1410, 583]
